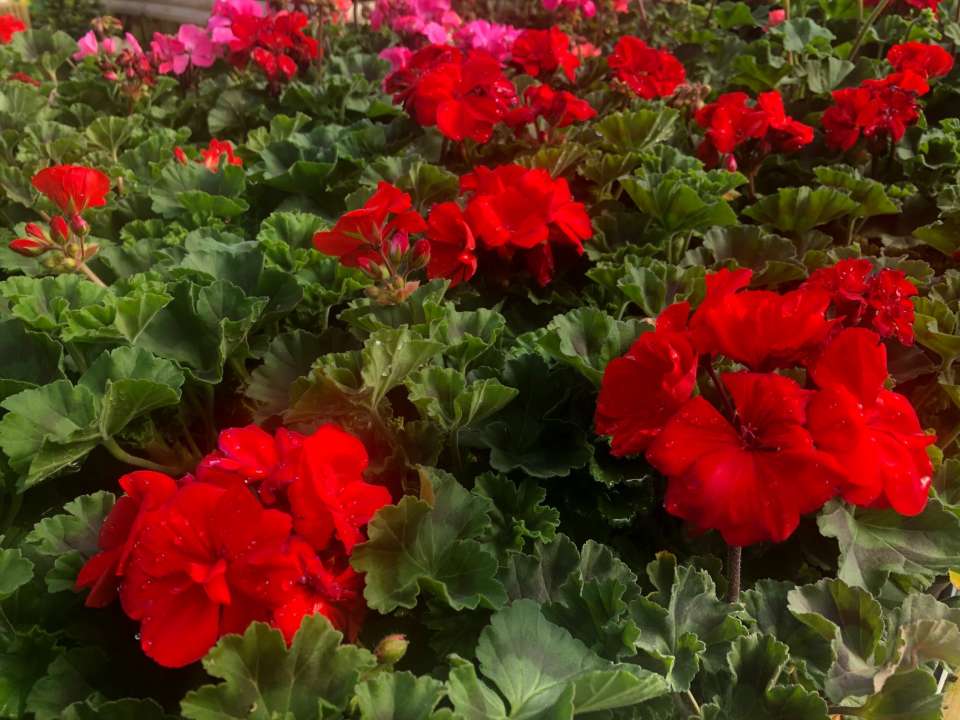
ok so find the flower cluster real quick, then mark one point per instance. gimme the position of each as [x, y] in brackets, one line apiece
[464, 94]
[262, 531]
[755, 449]
[73, 189]
[543, 52]
[10, 25]
[191, 47]
[880, 110]
[121, 60]
[647, 72]
[587, 7]
[862, 298]
[211, 155]
[557, 108]
[433, 20]
[508, 212]
[740, 135]
[276, 43]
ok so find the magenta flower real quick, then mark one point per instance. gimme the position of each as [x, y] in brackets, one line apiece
[192, 46]
[495, 38]
[587, 7]
[225, 12]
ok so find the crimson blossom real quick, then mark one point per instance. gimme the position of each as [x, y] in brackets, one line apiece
[262, 532]
[10, 25]
[916, 63]
[558, 108]
[73, 188]
[648, 72]
[465, 95]
[275, 42]
[543, 52]
[743, 135]
[754, 449]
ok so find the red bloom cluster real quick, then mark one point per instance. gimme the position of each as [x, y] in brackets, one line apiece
[755, 450]
[464, 94]
[558, 108]
[915, 63]
[648, 72]
[742, 135]
[211, 155]
[543, 52]
[518, 211]
[510, 210]
[879, 110]
[276, 42]
[263, 532]
[23, 78]
[861, 298]
[10, 25]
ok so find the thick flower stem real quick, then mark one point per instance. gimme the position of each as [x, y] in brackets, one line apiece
[734, 558]
[123, 456]
[91, 275]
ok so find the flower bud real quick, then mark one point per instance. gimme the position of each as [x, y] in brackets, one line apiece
[68, 263]
[28, 247]
[399, 244]
[110, 76]
[59, 229]
[179, 155]
[79, 225]
[91, 250]
[35, 231]
[421, 254]
[731, 163]
[72, 249]
[391, 649]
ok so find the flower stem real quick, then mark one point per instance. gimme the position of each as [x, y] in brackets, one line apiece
[865, 28]
[734, 561]
[123, 456]
[91, 275]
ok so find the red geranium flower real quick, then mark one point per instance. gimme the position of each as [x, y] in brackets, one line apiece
[330, 497]
[24, 78]
[275, 42]
[403, 82]
[145, 493]
[750, 478]
[513, 209]
[650, 73]
[859, 297]
[452, 244]
[216, 150]
[10, 25]
[559, 108]
[337, 594]
[642, 390]
[917, 62]
[873, 432]
[73, 188]
[761, 329]
[544, 51]
[731, 123]
[877, 109]
[362, 235]
[214, 563]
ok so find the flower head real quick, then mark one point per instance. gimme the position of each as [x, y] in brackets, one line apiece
[73, 188]
[543, 52]
[648, 72]
[10, 25]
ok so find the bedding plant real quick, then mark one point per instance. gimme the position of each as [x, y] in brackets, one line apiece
[483, 360]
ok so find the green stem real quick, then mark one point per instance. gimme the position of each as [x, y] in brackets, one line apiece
[123, 456]
[13, 509]
[694, 704]
[865, 28]
[734, 562]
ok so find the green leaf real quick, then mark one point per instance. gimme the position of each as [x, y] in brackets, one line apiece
[414, 547]
[70, 679]
[398, 696]
[27, 359]
[15, 571]
[389, 356]
[542, 671]
[71, 538]
[443, 395]
[803, 35]
[289, 358]
[875, 543]
[679, 201]
[635, 131]
[910, 696]
[48, 429]
[587, 339]
[870, 194]
[825, 75]
[263, 679]
[800, 209]
[518, 514]
[24, 658]
[683, 624]
[296, 229]
[132, 382]
[852, 621]
[754, 664]
[126, 709]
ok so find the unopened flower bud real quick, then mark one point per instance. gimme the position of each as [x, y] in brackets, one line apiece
[179, 155]
[59, 229]
[72, 249]
[51, 262]
[90, 250]
[110, 76]
[391, 649]
[399, 244]
[35, 231]
[421, 254]
[731, 163]
[28, 247]
[79, 225]
[68, 263]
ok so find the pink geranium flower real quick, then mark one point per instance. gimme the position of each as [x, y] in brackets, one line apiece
[225, 12]
[587, 7]
[495, 38]
[191, 46]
